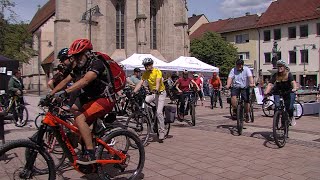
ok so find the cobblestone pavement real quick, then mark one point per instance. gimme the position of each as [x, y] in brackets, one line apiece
[213, 150]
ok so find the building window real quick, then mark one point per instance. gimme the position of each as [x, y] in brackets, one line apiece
[304, 56]
[267, 58]
[277, 34]
[318, 29]
[243, 38]
[304, 31]
[266, 35]
[292, 57]
[153, 24]
[120, 7]
[244, 55]
[292, 32]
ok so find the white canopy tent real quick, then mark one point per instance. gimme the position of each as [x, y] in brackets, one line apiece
[135, 61]
[191, 64]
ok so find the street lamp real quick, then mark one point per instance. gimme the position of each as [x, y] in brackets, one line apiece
[94, 11]
[39, 60]
[305, 47]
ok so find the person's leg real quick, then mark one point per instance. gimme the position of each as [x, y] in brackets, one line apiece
[220, 99]
[182, 103]
[234, 93]
[160, 105]
[289, 103]
[245, 95]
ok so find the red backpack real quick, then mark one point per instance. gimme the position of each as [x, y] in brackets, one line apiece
[117, 73]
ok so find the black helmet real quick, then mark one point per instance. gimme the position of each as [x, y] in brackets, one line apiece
[239, 62]
[63, 54]
[136, 70]
[147, 61]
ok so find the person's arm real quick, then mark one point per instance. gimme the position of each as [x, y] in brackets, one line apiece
[158, 83]
[83, 82]
[230, 78]
[11, 86]
[177, 86]
[294, 86]
[62, 84]
[50, 84]
[138, 86]
[195, 84]
[220, 88]
[250, 76]
[268, 88]
[130, 83]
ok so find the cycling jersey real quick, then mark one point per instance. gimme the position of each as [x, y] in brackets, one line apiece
[184, 84]
[151, 78]
[215, 82]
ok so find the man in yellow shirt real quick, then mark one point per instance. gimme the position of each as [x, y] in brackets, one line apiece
[155, 81]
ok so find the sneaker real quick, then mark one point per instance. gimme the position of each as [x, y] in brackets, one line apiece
[18, 124]
[180, 117]
[293, 121]
[247, 118]
[161, 136]
[234, 112]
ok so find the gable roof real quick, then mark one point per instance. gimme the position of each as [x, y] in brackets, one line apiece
[288, 11]
[193, 19]
[49, 59]
[42, 15]
[227, 25]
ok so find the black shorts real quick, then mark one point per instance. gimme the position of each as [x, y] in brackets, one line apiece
[245, 93]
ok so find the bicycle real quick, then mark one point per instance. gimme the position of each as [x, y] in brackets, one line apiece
[268, 108]
[107, 152]
[144, 121]
[280, 128]
[213, 97]
[191, 98]
[13, 105]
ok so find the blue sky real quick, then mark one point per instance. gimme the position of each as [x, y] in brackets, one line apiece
[213, 9]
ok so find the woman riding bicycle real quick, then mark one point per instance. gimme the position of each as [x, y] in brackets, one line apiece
[183, 87]
[216, 85]
[283, 83]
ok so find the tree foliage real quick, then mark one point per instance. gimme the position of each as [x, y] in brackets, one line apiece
[214, 50]
[15, 40]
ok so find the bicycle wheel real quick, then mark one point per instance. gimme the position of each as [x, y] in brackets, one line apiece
[268, 107]
[240, 118]
[193, 114]
[280, 128]
[251, 114]
[132, 167]
[53, 148]
[14, 162]
[141, 125]
[298, 110]
[38, 120]
[231, 113]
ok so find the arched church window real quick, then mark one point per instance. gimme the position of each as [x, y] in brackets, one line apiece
[153, 24]
[120, 8]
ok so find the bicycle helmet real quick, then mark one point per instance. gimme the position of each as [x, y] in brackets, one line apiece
[239, 62]
[63, 54]
[147, 61]
[79, 45]
[185, 71]
[136, 70]
[195, 75]
[282, 63]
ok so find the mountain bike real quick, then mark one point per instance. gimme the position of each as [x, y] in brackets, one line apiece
[190, 98]
[111, 151]
[14, 106]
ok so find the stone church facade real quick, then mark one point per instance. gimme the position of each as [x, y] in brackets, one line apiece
[158, 27]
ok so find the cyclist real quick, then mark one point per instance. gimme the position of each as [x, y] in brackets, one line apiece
[134, 79]
[153, 77]
[216, 85]
[16, 88]
[63, 68]
[240, 77]
[283, 81]
[97, 98]
[199, 82]
[183, 86]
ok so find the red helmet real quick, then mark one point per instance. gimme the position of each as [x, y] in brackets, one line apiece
[79, 45]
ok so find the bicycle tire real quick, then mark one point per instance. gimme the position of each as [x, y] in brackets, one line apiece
[193, 114]
[39, 117]
[114, 168]
[277, 126]
[166, 130]
[240, 118]
[58, 162]
[251, 112]
[145, 120]
[28, 144]
[296, 115]
[231, 113]
[268, 107]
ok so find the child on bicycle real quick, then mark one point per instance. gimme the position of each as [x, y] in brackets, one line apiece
[283, 82]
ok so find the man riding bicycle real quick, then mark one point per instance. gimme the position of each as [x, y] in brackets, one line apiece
[155, 82]
[199, 82]
[183, 87]
[283, 82]
[216, 85]
[97, 98]
[134, 79]
[240, 77]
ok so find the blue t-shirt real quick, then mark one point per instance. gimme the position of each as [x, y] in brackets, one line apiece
[240, 79]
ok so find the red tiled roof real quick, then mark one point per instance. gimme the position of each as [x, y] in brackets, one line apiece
[288, 11]
[193, 19]
[42, 15]
[227, 25]
[49, 59]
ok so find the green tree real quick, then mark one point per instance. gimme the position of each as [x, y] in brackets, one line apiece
[212, 49]
[15, 40]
